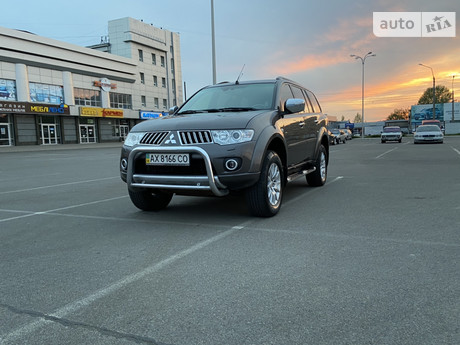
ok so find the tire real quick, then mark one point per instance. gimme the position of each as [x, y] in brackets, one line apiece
[264, 198]
[319, 176]
[147, 200]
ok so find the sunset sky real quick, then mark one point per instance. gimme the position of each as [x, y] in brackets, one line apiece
[307, 41]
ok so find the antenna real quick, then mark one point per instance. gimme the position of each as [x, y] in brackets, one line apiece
[241, 73]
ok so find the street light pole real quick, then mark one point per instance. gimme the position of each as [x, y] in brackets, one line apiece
[363, 60]
[434, 90]
[453, 76]
[214, 74]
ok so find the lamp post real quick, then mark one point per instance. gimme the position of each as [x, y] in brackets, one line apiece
[453, 76]
[434, 90]
[363, 60]
[214, 74]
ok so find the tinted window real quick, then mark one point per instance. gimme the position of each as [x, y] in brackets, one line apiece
[299, 94]
[257, 96]
[314, 102]
[285, 94]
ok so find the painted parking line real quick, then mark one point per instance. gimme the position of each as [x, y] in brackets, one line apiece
[58, 185]
[386, 152]
[31, 214]
[453, 148]
[132, 278]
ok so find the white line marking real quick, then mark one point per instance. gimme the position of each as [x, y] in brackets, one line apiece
[453, 148]
[61, 208]
[383, 154]
[83, 302]
[58, 185]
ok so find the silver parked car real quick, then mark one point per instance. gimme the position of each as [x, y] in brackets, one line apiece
[428, 134]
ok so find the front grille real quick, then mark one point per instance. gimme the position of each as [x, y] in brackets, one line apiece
[153, 138]
[195, 137]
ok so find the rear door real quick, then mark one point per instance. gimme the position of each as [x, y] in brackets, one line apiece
[312, 123]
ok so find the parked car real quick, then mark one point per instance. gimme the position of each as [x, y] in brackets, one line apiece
[428, 134]
[391, 133]
[340, 135]
[348, 134]
[332, 138]
[252, 136]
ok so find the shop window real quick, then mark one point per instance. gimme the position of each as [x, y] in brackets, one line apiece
[46, 93]
[86, 97]
[7, 90]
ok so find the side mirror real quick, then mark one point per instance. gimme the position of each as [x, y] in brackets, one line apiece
[294, 105]
[173, 110]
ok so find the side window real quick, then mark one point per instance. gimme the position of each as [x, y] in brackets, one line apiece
[285, 94]
[299, 94]
[314, 102]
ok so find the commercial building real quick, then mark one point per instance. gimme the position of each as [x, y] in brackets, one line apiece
[53, 92]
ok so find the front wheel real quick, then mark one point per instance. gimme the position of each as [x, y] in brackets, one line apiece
[147, 200]
[264, 198]
[319, 176]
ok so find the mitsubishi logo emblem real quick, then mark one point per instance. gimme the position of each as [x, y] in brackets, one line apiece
[171, 140]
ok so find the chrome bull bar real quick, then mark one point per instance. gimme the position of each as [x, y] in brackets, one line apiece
[182, 182]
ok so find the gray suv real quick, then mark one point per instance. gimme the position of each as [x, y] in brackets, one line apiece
[252, 136]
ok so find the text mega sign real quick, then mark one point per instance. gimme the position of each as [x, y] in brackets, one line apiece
[34, 108]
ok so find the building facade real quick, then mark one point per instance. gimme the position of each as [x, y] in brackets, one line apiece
[53, 92]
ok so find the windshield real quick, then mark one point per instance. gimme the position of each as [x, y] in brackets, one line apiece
[234, 97]
[428, 128]
[391, 129]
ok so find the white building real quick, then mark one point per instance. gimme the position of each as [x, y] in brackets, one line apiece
[53, 92]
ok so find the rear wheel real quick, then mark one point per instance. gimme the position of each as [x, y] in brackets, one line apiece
[147, 200]
[319, 176]
[264, 198]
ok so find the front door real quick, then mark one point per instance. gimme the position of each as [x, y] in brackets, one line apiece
[49, 134]
[87, 134]
[5, 136]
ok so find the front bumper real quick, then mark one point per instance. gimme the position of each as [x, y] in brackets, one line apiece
[200, 178]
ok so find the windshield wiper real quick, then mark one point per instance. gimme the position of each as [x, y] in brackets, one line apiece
[229, 109]
[192, 112]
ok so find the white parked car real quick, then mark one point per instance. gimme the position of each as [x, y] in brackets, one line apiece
[428, 134]
[391, 133]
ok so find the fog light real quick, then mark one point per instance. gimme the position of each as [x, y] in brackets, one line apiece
[124, 164]
[231, 164]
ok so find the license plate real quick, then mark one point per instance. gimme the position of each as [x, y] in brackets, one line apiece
[167, 159]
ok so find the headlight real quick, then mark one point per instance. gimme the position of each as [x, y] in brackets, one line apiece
[133, 138]
[236, 136]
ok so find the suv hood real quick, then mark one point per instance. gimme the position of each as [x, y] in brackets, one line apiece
[224, 120]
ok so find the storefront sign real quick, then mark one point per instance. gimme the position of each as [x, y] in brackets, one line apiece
[13, 107]
[105, 84]
[34, 108]
[145, 115]
[62, 109]
[101, 112]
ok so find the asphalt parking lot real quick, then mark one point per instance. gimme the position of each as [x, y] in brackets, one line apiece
[373, 257]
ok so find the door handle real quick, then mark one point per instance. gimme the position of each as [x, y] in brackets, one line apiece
[301, 124]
